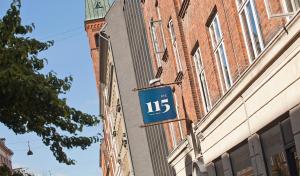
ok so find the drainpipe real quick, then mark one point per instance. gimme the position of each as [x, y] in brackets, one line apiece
[247, 116]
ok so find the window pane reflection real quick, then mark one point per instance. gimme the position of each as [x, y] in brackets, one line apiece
[279, 166]
[253, 28]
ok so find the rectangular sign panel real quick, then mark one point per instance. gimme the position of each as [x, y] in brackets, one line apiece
[157, 104]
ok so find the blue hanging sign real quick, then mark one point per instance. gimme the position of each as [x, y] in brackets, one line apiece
[157, 104]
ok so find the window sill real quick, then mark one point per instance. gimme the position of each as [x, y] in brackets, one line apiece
[183, 8]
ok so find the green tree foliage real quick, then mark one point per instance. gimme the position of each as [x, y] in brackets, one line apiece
[30, 100]
[4, 171]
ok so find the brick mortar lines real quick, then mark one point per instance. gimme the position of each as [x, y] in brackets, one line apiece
[188, 64]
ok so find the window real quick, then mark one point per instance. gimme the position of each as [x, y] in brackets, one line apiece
[115, 152]
[161, 28]
[172, 132]
[291, 5]
[178, 115]
[111, 125]
[97, 40]
[157, 36]
[183, 8]
[174, 45]
[219, 51]
[106, 95]
[251, 28]
[155, 43]
[202, 80]
[118, 170]
[279, 150]
[110, 84]
[113, 146]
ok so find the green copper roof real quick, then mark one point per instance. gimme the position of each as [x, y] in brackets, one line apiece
[95, 9]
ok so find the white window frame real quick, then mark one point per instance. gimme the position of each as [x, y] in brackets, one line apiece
[112, 139]
[200, 71]
[155, 43]
[118, 173]
[174, 46]
[289, 14]
[115, 152]
[161, 27]
[243, 8]
[279, 15]
[172, 133]
[217, 47]
[105, 95]
[178, 115]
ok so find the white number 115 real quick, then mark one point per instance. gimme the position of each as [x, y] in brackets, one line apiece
[163, 103]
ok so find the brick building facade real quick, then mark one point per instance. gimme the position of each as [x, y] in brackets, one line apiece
[236, 67]
[227, 55]
[114, 152]
[5, 154]
[125, 32]
[115, 155]
[125, 149]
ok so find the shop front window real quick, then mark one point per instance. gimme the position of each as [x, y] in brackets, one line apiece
[240, 161]
[279, 166]
[293, 161]
[279, 150]
[297, 162]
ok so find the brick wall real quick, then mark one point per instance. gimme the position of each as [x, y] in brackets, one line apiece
[5, 155]
[192, 29]
[269, 27]
[92, 28]
[169, 73]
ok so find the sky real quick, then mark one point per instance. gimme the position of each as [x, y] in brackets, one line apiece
[63, 22]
